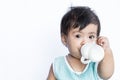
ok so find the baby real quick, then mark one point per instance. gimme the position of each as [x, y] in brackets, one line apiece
[80, 25]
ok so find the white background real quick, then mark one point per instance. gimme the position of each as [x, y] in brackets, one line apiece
[30, 37]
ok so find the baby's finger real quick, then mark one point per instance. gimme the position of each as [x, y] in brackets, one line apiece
[100, 41]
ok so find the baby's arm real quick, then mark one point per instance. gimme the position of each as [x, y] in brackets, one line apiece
[51, 74]
[106, 66]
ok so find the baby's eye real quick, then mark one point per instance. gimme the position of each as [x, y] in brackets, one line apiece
[77, 36]
[91, 36]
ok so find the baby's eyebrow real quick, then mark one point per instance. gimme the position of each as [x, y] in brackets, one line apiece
[92, 33]
[76, 31]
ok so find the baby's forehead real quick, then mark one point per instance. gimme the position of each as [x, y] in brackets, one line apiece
[90, 29]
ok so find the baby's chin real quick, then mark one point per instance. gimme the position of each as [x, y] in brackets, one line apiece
[78, 56]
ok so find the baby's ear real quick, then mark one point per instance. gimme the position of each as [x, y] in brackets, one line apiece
[64, 39]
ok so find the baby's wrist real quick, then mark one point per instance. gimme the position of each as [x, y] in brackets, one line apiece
[108, 50]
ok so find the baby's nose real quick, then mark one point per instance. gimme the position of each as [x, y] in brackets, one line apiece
[85, 40]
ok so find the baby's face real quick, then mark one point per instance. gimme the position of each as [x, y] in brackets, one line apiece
[76, 38]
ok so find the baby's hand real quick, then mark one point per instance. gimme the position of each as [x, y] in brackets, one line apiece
[103, 41]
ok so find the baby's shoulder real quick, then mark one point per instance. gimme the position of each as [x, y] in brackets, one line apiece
[59, 59]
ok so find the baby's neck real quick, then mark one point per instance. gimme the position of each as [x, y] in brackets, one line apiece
[75, 63]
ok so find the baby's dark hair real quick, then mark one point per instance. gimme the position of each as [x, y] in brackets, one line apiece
[79, 16]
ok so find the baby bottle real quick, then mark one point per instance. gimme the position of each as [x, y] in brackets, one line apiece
[91, 52]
